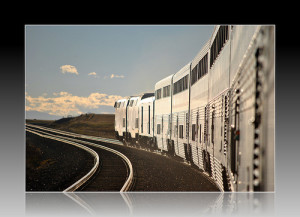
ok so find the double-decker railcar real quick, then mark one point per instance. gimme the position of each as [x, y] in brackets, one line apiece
[198, 102]
[180, 112]
[216, 110]
[163, 114]
[146, 125]
[121, 118]
[132, 120]
[251, 148]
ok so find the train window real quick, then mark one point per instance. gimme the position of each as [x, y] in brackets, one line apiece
[193, 131]
[181, 84]
[175, 88]
[202, 67]
[200, 134]
[166, 91]
[158, 129]
[181, 131]
[142, 120]
[218, 43]
[149, 119]
[194, 76]
[131, 102]
[158, 94]
[175, 130]
[200, 70]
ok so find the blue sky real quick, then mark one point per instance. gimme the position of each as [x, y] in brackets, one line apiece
[78, 69]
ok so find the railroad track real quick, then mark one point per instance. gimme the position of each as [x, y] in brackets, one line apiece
[94, 138]
[152, 171]
[113, 163]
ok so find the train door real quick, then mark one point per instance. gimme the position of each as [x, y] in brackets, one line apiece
[213, 130]
[187, 145]
[176, 133]
[205, 153]
[142, 119]
[196, 137]
[149, 120]
[234, 146]
[162, 132]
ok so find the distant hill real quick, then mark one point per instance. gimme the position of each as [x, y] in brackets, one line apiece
[40, 116]
[89, 124]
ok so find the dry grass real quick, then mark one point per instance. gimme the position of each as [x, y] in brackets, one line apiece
[89, 124]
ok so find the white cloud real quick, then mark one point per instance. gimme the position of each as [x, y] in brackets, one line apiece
[65, 103]
[69, 69]
[92, 73]
[116, 76]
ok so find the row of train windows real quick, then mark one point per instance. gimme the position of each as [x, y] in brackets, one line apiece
[181, 85]
[180, 132]
[200, 70]
[165, 90]
[219, 41]
[178, 86]
[119, 104]
[132, 103]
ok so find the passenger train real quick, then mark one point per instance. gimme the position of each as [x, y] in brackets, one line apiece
[216, 113]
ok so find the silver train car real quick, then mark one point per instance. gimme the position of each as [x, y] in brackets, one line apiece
[128, 118]
[217, 113]
[163, 112]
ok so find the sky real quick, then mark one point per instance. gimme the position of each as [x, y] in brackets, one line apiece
[71, 69]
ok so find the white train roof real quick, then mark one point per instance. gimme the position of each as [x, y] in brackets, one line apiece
[147, 100]
[164, 82]
[146, 95]
[134, 97]
[124, 99]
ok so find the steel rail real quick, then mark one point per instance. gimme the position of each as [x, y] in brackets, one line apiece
[129, 180]
[86, 177]
[101, 139]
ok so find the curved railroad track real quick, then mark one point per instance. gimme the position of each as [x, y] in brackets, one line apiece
[114, 172]
[152, 171]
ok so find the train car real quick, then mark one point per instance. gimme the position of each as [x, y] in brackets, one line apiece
[216, 111]
[163, 114]
[251, 150]
[121, 118]
[132, 120]
[198, 102]
[264, 149]
[180, 113]
[146, 124]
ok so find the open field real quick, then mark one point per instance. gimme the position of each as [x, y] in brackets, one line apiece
[89, 124]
